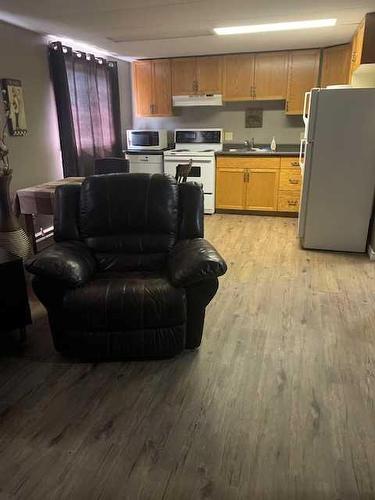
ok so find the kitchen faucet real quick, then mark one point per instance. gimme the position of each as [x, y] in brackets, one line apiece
[250, 144]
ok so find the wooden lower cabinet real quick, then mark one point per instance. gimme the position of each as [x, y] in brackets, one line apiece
[262, 188]
[288, 201]
[258, 184]
[230, 187]
[290, 179]
[290, 185]
[244, 183]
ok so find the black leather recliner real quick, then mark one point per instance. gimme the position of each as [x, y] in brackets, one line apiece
[130, 274]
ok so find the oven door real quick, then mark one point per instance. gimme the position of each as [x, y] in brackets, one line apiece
[202, 170]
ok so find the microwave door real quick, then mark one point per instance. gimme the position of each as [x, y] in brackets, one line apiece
[144, 139]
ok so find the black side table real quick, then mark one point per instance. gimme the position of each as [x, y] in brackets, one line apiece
[14, 304]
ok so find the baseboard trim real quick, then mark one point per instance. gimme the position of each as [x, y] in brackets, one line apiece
[371, 252]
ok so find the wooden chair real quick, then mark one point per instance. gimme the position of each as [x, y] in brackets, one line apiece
[183, 171]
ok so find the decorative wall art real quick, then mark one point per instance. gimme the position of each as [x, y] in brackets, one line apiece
[15, 107]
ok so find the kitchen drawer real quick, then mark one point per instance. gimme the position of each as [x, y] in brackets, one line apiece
[288, 201]
[289, 162]
[290, 179]
[247, 162]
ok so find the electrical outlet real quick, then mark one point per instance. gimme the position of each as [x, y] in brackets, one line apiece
[228, 136]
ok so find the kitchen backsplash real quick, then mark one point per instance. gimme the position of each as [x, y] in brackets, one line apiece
[231, 117]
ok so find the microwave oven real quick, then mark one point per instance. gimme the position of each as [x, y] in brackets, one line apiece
[146, 139]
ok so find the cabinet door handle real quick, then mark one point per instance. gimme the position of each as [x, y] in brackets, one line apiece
[292, 203]
[293, 181]
[295, 164]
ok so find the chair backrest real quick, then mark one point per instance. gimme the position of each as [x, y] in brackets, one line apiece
[111, 166]
[183, 171]
[129, 221]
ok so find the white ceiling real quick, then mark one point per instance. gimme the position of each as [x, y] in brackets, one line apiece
[161, 28]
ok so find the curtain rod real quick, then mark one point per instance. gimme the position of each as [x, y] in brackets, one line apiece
[80, 53]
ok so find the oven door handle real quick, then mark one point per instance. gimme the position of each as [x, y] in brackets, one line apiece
[176, 160]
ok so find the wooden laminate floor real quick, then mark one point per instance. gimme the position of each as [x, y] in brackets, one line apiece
[277, 404]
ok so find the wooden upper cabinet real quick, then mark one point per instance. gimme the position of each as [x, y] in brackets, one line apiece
[270, 75]
[143, 86]
[197, 75]
[255, 76]
[303, 76]
[336, 65]
[152, 85]
[162, 88]
[366, 40]
[184, 75]
[238, 77]
[363, 43]
[209, 75]
[357, 47]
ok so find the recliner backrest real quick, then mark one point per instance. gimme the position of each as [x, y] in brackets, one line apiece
[130, 221]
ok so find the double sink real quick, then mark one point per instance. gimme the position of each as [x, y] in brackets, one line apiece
[249, 150]
[261, 150]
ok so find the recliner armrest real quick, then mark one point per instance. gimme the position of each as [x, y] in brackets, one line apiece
[69, 262]
[192, 261]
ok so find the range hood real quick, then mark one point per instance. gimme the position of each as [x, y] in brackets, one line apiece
[197, 100]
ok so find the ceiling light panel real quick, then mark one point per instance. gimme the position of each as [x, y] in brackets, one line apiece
[288, 26]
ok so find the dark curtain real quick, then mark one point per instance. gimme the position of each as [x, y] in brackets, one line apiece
[88, 108]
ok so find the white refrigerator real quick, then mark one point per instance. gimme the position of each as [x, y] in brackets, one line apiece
[337, 160]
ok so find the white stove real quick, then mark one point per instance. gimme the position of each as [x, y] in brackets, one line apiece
[200, 146]
[190, 152]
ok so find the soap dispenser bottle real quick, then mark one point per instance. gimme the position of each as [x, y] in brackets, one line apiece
[273, 144]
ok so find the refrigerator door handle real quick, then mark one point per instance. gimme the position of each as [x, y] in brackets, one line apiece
[302, 150]
[306, 107]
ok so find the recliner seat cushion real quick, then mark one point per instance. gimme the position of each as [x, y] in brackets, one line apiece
[124, 301]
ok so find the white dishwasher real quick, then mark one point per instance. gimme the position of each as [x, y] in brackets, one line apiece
[145, 163]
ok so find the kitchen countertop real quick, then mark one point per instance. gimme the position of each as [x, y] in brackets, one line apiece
[282, 150]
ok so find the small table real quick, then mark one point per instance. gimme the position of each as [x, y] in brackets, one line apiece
[40, 199]
[14, 304]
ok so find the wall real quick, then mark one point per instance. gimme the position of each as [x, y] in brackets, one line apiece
[231, 117]
[124, 77]
[36, 157]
